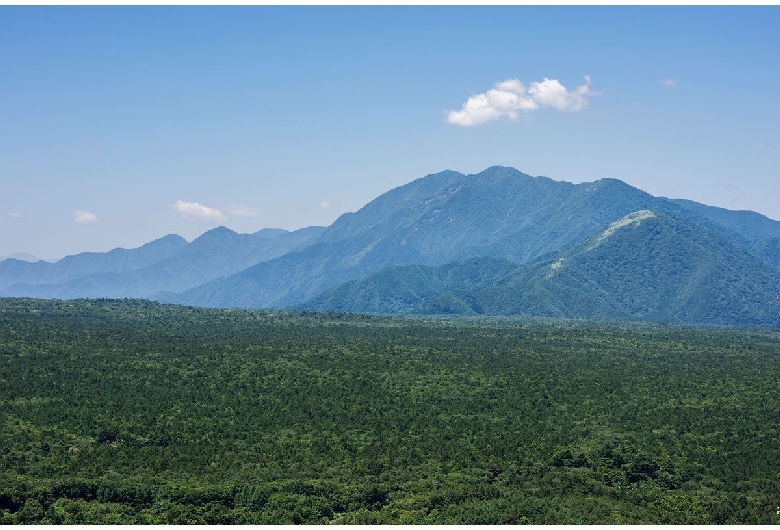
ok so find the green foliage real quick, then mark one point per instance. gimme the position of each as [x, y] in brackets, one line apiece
[662, 268]
[399, 290]
[122, 411]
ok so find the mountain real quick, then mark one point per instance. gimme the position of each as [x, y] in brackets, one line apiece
[499, 212]
[13, 271]
[403, 289]
[647, 266]
[448, 217]
[754, 232]
[652, 266]
[446, 239]
[218, 252]
[21, 256]
[444, 217]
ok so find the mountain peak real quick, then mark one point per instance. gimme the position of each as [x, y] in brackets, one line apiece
[166, 240]
[267, 233]
[220, 232]
[611, 184]
[22, 256]
[501, 171]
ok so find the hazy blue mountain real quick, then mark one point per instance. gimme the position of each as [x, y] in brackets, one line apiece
[647, 266]
[499, 212]
[14, 271]
[21, 256]
[282, 281]
[218, 252]
[498, 215]
[438, 219]
[754, 232]
[448, 217]
[768, 250]
[750, 225]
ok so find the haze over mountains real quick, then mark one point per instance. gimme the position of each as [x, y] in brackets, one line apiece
[168, 263]
[497, 243]
[21, 256]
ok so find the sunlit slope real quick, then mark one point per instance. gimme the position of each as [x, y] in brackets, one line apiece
[646, 266]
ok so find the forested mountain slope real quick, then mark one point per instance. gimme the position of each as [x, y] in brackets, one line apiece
[405, 289]
[646, 266]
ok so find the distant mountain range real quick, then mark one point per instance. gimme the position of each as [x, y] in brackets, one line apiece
[168, 263]
[21, 256]
[495, 243]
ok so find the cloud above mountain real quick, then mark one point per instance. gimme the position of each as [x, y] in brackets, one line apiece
[507, 99]
[240, 210]
[84, 217]
[194, 210]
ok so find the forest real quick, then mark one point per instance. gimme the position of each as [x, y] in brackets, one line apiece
[134, 412]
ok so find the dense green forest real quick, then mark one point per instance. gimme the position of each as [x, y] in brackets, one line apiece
[124, 411]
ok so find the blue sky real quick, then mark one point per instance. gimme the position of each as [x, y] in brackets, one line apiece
[119, 125]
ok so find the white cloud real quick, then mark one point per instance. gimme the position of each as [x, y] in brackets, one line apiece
[193, 210]
[551, 93]
[669, 82]
[240, 210]
[324, 204]
[84, 217]
[507, 98]
[13, 216]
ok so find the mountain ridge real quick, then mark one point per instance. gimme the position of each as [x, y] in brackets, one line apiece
[499, 215]
[651, 266]
[215, 253]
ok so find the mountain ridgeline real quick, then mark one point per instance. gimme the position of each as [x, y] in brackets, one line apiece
[168, 263]
[648, 265]
[495, 243]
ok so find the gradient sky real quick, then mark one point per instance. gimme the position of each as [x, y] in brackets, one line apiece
[119, 125]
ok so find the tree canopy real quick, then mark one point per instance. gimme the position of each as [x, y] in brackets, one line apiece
[125, 411]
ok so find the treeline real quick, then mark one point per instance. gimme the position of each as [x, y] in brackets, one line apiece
[124, 411]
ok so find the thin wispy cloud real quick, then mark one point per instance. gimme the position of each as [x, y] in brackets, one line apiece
[669, 83]
[507, 99]
[194, 210]
[240, 210]
[13, 216]
[84, 217]
[324, 204]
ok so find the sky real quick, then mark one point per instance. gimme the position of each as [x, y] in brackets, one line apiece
[119, 125]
